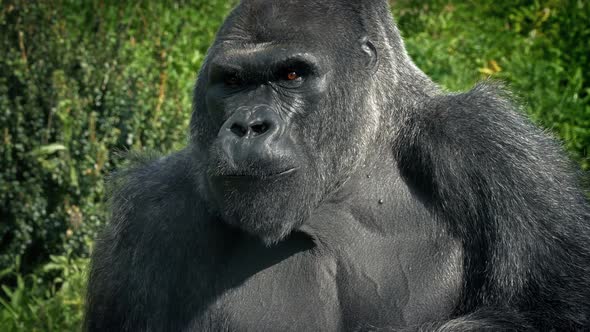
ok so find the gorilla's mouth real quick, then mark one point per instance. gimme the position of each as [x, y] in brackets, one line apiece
[260, 175]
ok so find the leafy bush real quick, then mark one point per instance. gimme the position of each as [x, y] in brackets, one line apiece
[79, 81]
[50, 300]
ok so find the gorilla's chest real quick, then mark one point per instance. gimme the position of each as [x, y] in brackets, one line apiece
[372, 284]
[297, 294]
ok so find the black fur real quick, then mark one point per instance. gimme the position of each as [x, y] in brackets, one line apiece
[403, 208]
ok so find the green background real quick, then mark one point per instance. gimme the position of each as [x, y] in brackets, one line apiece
[81, 81]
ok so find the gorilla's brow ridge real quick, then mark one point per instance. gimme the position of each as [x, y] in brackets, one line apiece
[302, 60]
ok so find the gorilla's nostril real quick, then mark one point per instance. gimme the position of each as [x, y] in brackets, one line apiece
[259, 128]
[238, 130]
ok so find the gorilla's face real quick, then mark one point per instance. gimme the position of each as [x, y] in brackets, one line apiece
[259, 96]
[285, 130]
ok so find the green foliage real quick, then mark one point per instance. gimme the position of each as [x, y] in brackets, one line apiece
[80, 80]
[49, 300]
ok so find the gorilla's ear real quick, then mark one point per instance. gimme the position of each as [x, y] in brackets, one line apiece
[370, 51]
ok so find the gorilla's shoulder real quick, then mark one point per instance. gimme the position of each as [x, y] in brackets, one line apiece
[487, 105]
[151, 188]
[481, 136]
[487, 117]
[152, 176]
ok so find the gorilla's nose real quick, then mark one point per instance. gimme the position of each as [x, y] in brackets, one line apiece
[251, 123]
[254, 128]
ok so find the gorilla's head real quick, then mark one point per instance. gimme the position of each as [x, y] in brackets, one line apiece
[289, 103]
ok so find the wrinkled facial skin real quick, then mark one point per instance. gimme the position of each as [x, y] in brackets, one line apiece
[273, 110]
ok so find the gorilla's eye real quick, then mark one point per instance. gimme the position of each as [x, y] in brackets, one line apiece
[231, 80]
[292, 75]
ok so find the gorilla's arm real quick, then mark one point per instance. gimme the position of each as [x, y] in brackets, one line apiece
[158, 220]
[502, 187]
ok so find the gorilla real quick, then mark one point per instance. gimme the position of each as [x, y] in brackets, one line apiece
[330, 185]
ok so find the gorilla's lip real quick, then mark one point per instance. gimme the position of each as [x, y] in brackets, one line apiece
[261, 176]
